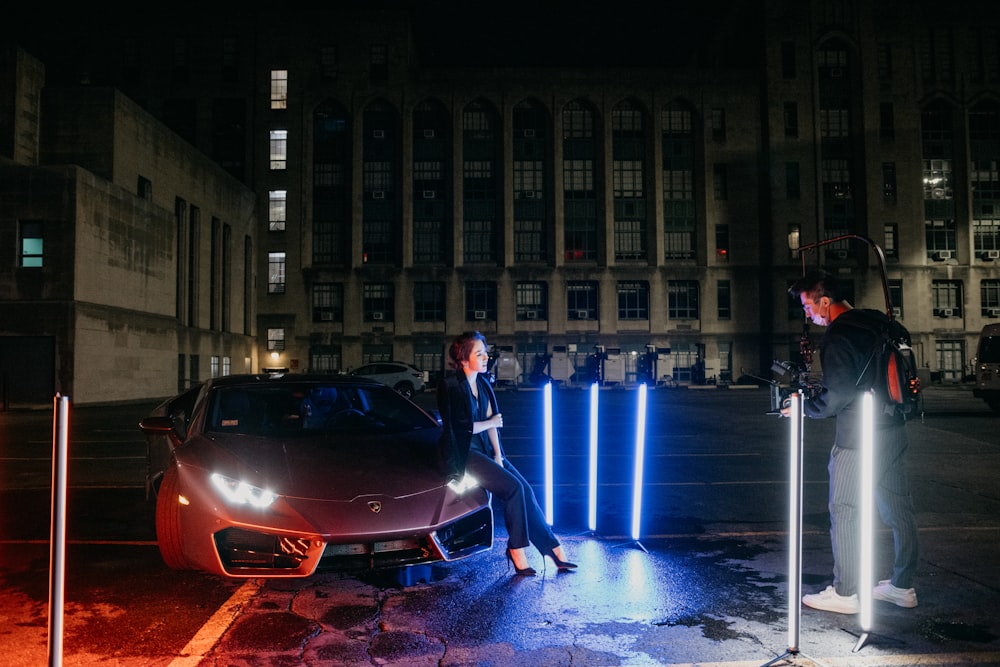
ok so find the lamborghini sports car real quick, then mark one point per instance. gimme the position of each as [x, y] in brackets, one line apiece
[281, 475]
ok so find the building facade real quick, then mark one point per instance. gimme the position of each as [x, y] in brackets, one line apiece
[617, 207]
[127, 268]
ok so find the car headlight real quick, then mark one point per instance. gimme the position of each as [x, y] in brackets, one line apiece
[462, 485]
[238, 492]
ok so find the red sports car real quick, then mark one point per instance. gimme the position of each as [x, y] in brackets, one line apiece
[279, 475]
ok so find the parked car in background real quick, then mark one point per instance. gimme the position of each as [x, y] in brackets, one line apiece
[404, 378]
[280, 475]
[987, 367]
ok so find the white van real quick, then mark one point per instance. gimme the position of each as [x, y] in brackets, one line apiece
[987, 367]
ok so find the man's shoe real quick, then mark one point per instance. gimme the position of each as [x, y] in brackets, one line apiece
[829, 600]
[901, 597]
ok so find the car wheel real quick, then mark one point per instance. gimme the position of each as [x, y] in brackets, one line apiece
[405, 388]
[168, 522]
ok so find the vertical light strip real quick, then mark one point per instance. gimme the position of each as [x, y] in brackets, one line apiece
[640, 453]
[548, 453]
[867, 509]
[794, 520]
[592, 499]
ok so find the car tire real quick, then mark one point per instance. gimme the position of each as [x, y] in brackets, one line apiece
[405, 388]
[168, 522]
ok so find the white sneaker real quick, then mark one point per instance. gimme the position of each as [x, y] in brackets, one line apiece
[829, 600]
[901, 597]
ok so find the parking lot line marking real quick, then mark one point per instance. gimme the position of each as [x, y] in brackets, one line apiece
[209, 634]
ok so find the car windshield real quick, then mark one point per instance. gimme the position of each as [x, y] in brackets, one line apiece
[310, 408]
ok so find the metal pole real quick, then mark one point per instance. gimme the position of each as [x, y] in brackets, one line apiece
[57, 542]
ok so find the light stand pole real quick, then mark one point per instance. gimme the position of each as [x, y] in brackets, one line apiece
[794, 530]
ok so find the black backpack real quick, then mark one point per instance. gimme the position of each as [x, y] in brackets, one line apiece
[896, 382]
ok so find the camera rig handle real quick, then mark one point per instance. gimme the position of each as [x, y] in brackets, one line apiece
[879, 255]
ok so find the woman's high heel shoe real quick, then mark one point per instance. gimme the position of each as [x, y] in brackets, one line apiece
[520, 571]
[560, 564]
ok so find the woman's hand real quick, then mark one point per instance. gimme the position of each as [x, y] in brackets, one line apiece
[496, 421]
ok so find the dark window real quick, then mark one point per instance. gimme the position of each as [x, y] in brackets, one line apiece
[428, 302]
[633, 300]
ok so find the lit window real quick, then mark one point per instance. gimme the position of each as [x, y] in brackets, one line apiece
[279, 89]
[31, 244]
[275, 340]
[275, 273]
[276, 210]
[279, 149]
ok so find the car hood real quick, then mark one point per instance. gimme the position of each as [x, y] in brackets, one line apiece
[324, 467]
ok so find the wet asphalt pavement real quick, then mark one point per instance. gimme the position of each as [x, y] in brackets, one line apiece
[706, 583]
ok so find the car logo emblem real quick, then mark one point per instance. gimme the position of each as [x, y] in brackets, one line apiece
[375, 506]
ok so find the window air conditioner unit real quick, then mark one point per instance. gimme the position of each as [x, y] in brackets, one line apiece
[378, 315]
[531, 315]
[378, 134]
[942, 254]
[428, 134]
[993, 312]
[430, 194]
[840, 254]
[480, 314]
[582, 315]
[326, 316]
[946, 312]
[378, 194]
[836, 72]
[529, 134]
[897, 311]
[528, 194]
[991, 254]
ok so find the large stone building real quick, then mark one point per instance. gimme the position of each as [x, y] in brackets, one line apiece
[629, 183]
[127, 255]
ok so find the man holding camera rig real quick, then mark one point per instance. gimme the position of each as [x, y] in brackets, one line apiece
[844, 354]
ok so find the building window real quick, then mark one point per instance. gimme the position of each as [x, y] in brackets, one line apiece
[896, 296]
[579, 177]
[989, 298]
[378, 62]
[723, 299]
[678, 146]
[720, 181]
[279, 89]
[227, 366]
[883, 59]
[682, 299]
[372, 353]
[327, 302]
[628, 182]
[890, 240]
[275, 340]
[633, 300]
[889, 182]
[722, 242]
[279, 149]
[32, 244]
[531, 301]
[791, 119]
[480, 300]
[940, 238]
[887, 121]
[144, 189]
[529, 241]
[718, 125]
[428, 302]
[329, 62]
[325, 359]
[276, 210]
[213, 366]
[275, 273]
[582, 300]
[793, 187]
[794, 240]
[946, 297]
[950, 359]
[378, 303]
